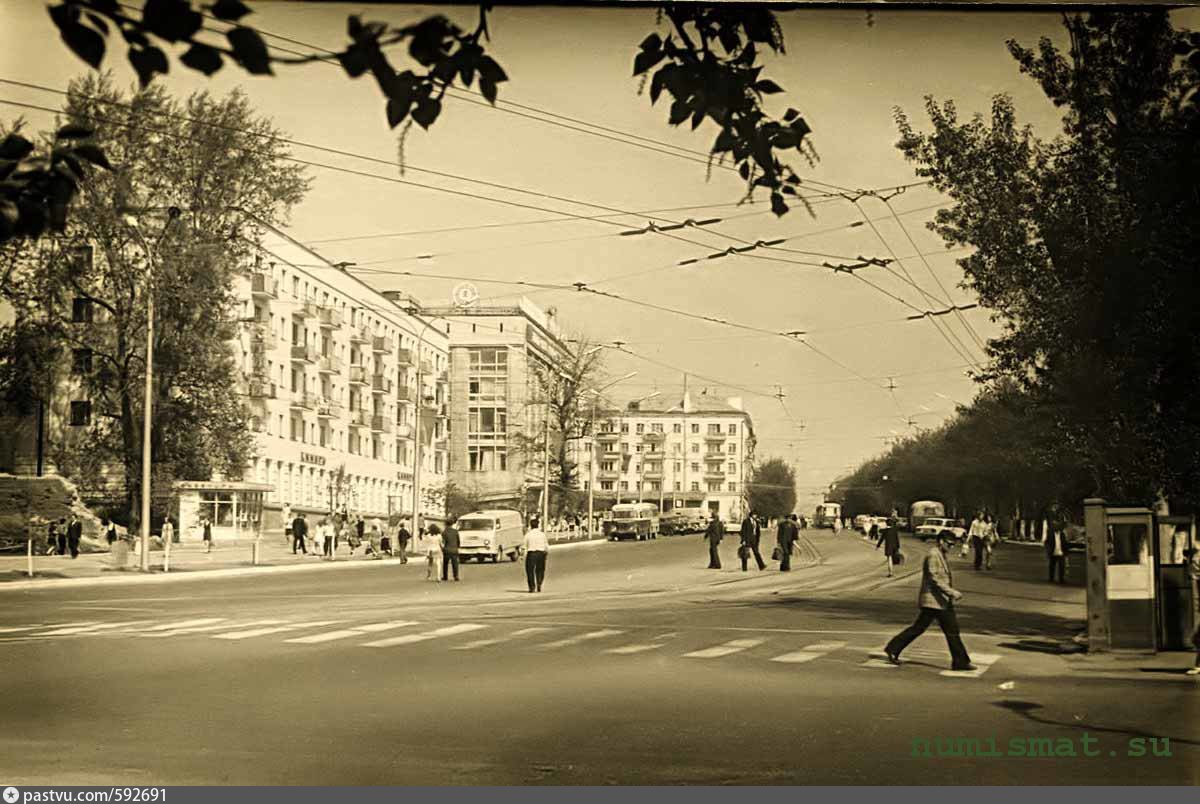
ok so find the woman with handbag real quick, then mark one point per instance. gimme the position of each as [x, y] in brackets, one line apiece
[889, 540]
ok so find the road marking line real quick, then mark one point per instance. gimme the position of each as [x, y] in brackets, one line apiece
[483, 643]
[21, 628]
[201, 629]
[273, 630]
[330, 636]
[809, 653]
[185, 624]
[982, 661]
[734, 646]
[575, 640]
[409, 639]
[878, 663]
[626, 650]
[91, 629]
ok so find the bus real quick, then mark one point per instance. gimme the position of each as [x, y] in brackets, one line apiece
[632, 521]
[826, 513]
[922, 510]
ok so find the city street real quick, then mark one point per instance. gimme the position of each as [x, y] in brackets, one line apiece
[634, 666]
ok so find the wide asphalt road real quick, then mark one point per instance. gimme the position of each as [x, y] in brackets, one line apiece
[635, 665]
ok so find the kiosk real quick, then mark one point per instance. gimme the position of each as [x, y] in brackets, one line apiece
[1140, 595]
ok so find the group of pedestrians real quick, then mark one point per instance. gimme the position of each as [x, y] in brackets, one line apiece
[750, 540]
[64, 536]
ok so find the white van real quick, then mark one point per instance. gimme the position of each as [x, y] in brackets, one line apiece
[490, 534]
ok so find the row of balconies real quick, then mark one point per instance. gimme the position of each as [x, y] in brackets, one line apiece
[654, 438]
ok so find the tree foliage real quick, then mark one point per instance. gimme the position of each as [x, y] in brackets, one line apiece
[1085, 245]
[119, 247]
[772, 488]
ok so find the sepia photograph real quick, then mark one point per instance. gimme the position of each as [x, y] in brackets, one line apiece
[597, 394]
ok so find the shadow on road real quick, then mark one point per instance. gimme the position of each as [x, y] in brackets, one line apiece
[1026, 709]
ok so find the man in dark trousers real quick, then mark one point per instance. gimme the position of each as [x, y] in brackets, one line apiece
[60, 531]
[1056, 550]
[450, 550]
[935, 602]
[714, 533]
[299, 534]
[74, 535]
[751, 533]
[786, 535]
[403, 537]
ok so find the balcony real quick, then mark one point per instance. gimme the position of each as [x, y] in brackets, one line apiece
[260, 317]
[305, 354]
[328, 409]
[258, 424]
[404, 431]
[381, 345]
[655, 474]
[264, 287]
[654, 455]
[443, 377]
[358, 375]
[404, 393]
[715, 437]
[608, 474]
[381, 424]
[380, 384]
[426, 367]
[329, 318]
[360, 335]
[714, 474]
[302, 400]
[404, 357]
[328, 364]
[654, 438]
[262, 389]
[608, 437]
[360, 418]
[304, 309]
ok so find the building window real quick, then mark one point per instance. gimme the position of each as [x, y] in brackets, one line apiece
[654, 485]
[677, 428]
[678, 466]
[714, 487]
[733, 429]
[81, 413]
[695, 486]
[606, 485]
[695, 428]
[677, 485]
[732, 468]
[696, 448]
[624, 427]
[624, 485]
[732, 487]
[487, 458]
[695, 467]
[732, 448]
[81, 311]
[677, 448]
[714, 429]
[608, 466]
[81, 361]
[656, 428]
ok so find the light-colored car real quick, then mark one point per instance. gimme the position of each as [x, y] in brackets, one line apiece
[934, 526]
[862, 522]
[490, 534]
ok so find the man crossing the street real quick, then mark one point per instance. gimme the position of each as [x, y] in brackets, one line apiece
[714, 533]
[299, 532]
[787, 534]
[450, 545]
[935, 602]
[536, 547]
[751, 535]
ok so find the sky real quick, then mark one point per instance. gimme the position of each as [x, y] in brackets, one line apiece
[844, 72]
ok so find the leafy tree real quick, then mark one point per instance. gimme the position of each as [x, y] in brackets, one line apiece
[708, 61]
[772, 488]
[1085, 245]
[104, 265]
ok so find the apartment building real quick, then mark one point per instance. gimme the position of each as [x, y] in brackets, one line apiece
[695, 453]
[495, 353]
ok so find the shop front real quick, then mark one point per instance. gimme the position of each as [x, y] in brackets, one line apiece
[234, 509]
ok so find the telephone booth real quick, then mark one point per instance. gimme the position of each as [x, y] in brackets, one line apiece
[1140, 595]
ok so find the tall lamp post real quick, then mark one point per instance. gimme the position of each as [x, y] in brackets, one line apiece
[419, 391]
[173, 214]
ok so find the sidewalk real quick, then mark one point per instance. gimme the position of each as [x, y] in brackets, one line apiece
[189, 561]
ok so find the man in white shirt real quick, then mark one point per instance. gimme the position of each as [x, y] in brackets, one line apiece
[536, 546]
[1056, 551]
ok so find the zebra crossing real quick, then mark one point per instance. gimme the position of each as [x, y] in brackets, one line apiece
[778, 648]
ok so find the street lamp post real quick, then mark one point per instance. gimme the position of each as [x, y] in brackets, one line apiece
[420, 399]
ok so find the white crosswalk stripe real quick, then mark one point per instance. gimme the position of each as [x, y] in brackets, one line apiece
[483, 643]
[982, 661]
[92, 629]
[257, 632]
[809, 653]
[733, 646]
[358, 630]
[19, 629]
[204, 629]
[626, 650]
[437, 633]
[184, 624]
[575, 640]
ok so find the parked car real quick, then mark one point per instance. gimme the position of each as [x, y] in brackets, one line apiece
[934, 526]
[862, 522]
[490, 534]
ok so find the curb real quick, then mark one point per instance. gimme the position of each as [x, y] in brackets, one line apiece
[225, 572]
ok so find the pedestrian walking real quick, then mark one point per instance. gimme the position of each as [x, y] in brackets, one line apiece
[714, 533]
[536, 547]
[433, 553]
[787, 533]
[837, 526]
[976, 535]
[873, 534]
[206, 533]
[168, 532]
[1192, 555]
[991, 538]
[751, 533]
[935, 602]
[450, 544]
[110, 531]
[325, 535]
[59, 529]
[402, 539]
[299, 530]
[285, 514]
[889, 540]
[1056, 551]
[74, 535]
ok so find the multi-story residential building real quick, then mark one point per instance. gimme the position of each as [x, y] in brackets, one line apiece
[495, 354]
[696, 453]
[342, 384]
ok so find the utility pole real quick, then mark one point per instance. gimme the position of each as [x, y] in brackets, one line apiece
[546, 469]
[592, 472]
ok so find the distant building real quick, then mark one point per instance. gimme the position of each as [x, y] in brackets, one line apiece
[695, 453]
[495, 353]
